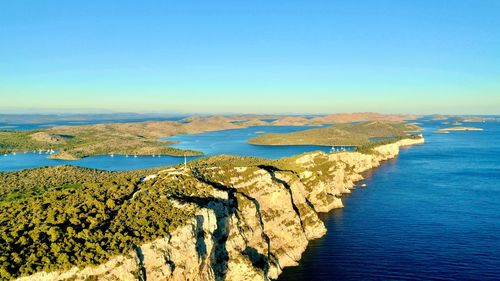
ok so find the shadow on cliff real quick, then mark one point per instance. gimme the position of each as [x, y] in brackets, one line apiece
[201, 246]
[272, 172]
[223, 210]
[257, 259]
[141, 274]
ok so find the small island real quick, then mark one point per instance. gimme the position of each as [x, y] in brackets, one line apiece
[362, 135]
[447, 130]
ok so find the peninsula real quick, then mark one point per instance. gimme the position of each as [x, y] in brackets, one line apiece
[219, 218]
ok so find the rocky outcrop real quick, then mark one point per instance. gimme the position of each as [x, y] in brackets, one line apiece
[48, 138]
[251, 221]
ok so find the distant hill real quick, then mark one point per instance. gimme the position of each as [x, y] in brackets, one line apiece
[363, 116]
[292, 121]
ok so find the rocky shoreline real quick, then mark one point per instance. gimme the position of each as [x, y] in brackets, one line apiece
[254, 220]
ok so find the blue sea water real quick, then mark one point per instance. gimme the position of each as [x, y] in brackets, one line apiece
[235, 142]
[210, 143]
[22, 161]
[433, 213]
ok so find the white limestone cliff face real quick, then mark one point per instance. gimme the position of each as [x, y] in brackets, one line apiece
[259, 221]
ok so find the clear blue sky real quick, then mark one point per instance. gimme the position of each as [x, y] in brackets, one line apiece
[311, 56]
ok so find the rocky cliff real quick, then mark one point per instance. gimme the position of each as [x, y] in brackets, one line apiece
[251, 220]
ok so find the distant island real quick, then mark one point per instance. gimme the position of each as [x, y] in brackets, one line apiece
[461, 118]
[144, 138]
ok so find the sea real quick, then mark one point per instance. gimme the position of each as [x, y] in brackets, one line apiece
[433, 213]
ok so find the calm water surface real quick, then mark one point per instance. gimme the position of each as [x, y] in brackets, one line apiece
[431, 214]
[235, 142]
[211, 143]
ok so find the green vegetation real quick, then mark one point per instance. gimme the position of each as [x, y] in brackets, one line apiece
[58, 217]
[17, 141]
[53, 218]
[358, 134]
[73, 142]
[34, 182]
[368, 148]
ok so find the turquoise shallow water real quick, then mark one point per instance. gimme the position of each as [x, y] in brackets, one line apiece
[211, 143]
[431, 214]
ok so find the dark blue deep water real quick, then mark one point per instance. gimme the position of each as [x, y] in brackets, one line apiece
[431, 214]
